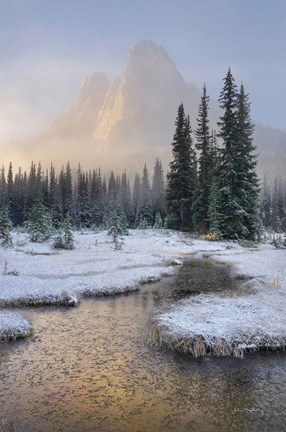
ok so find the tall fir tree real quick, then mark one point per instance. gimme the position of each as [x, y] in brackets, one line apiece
[82, 215]
[5, 227]
[246, 170]
[158, 190]
[19, 197]
[233, 214]
[193, 159]
[96, 198]
[66, 189]
[39, 221]
[112, 189]
[214, 216]
[180, 176]
[144, 216]
[202, 193]
[136, 192]
[3, 186]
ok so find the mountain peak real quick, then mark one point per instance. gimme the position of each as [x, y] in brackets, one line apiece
[148, 47]
[146, 54]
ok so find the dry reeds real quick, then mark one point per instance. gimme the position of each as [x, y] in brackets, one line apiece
[197, 346]
[57, 300]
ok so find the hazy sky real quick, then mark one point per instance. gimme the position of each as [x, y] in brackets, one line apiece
[47, 47]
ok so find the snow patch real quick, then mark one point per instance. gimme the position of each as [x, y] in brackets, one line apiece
[13, 326]
[223, 326]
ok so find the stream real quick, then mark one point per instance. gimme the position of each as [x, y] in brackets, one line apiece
[90, 368]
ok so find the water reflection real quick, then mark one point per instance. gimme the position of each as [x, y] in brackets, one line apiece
[90, 369]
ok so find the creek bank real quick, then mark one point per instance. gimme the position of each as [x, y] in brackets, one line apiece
[234, 322]
[36, 275]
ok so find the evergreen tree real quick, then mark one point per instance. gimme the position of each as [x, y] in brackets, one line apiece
[58, 241]
[158, 189]
[10, 192]
[112, 188]
[214, 216]
[66, 189]
[214, 157]
[64, 238]
[5, 227]
[31, 187]
[19, 198]
[233, 214]
[265, 205]
[193, 159]
[276, 223]
[82, 214]
[3, 186]
[158, 224]
[201, 202]
[145, 187]
[145, 212]
[96, 199]
[247, 160]
[57, 213]
[53, 188]
[180, 187]
[68, 238]
[142, 222]
[39, 222]
[126, 202]
[136, 196]
[115, 228]
[281, 204]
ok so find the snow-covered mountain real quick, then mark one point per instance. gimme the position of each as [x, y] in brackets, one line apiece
[130, 121]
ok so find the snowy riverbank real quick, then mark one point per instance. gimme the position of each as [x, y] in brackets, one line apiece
[34, 274]
[232, 324]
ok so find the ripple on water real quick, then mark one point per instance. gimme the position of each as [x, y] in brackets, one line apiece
[90, 369]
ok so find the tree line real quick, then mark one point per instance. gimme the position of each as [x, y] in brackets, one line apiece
[86, 196]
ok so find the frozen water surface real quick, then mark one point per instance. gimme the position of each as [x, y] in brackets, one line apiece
[90, 369]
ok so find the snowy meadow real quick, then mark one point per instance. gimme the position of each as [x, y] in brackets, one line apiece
[231, 323]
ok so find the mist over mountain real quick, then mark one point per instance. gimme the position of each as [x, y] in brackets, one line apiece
[122, 124]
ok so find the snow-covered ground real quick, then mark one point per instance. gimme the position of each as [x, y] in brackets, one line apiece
[254, 318]
[228, 324]
[36, 274]
[13, 325]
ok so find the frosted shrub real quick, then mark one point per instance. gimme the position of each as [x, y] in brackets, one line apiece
[65, 240]
[39, 224]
